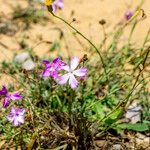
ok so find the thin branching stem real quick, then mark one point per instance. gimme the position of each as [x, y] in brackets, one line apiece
[93, 45]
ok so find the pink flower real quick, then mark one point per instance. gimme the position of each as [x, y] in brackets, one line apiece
[57, 4]
[72, 72]
[9, 96]
[16, 116]
[128, 15]
[52, 68]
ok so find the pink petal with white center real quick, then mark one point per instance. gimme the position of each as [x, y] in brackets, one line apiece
[74, 63]
[16, 123]
[63, 79]
[13, 111]
[20, 119]
[73, 82]
[80, 72]
[66, 68]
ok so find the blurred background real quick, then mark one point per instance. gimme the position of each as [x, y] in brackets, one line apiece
[26, 25]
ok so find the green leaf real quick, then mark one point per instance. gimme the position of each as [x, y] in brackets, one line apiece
[114, 117]
[98, 109]
[55, 102]
[117, 114]
[135, 127]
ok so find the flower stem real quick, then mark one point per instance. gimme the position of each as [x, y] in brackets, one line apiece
[70, 101]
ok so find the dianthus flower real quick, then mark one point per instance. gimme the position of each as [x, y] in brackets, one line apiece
[52, 68]
[72, 71]
[16, 116]
[9, 96]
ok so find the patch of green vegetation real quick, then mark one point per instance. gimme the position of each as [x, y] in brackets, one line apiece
[63, 118]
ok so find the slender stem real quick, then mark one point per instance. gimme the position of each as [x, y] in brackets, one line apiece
[145, 40]
[131, 32]
[70, 101]
[93, 45]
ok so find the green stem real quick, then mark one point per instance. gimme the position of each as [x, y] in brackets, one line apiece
[70, 101]
[145, 40]
[131, 32]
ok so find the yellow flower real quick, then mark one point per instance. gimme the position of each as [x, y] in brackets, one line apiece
[48, 2]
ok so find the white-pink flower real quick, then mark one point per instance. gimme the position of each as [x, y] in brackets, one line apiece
[72, 72]
[16, 116]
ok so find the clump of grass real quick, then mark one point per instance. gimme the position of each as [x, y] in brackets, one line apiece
[59, 117]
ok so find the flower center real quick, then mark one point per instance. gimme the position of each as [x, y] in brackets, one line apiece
[71, 71]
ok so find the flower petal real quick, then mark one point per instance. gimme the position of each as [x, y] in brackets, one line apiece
[54, 6]
[15, 121]
[58, 63]
[3, 91]
[73, 82]
[20, 119]
[54, 74]
[80, 72]
[63, 79]
[22, 111]
[46, 63]
[46, 72]
[66, 68]
[6, 102]
[10, 118]
[13, 111]
[74, 63]
[60, 4]
[15, 96]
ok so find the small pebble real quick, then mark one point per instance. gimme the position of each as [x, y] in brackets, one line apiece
[28, 65]
[22, 57]
[134, 112]
[117, 147]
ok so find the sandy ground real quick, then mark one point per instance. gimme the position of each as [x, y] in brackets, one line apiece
[87, 16]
